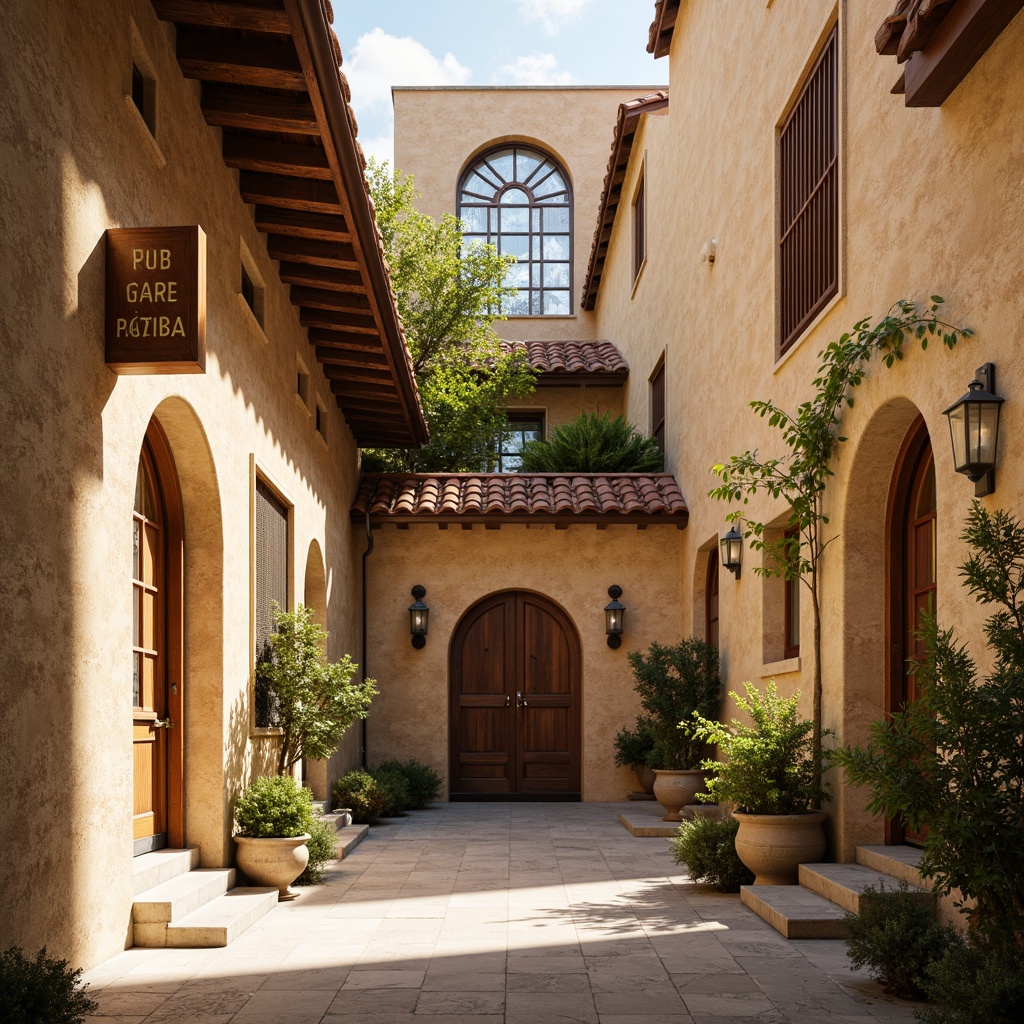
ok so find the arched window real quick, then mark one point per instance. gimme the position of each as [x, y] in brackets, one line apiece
[518, 199]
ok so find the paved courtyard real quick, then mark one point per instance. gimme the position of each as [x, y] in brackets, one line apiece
[488, 913]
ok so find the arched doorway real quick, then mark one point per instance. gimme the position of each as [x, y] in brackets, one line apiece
[911, 587]
[515, 701]
[157, 681]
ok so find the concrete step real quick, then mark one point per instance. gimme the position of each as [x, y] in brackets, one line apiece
[843, 884]
[795, 911]
[349, 837]
[174, 899]
[902, 862]
[222, 920]
[152, 869]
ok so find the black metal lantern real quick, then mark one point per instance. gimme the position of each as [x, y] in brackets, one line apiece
[974, 430]
[613, 615]
[731, 547]
[418, 613]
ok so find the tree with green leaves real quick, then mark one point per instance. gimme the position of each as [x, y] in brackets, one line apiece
[448, 296]
[594, 443]
[811, 436]
[316, 700]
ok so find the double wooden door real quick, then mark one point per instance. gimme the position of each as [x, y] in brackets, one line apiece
[515, 701]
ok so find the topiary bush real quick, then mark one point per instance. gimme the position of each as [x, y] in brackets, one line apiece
[359, 791]
[42, 990]
[594, 443]
[322, 846]
[708, 848]
[423, 782]
[391, 779]
[896, 937]
[274, 807]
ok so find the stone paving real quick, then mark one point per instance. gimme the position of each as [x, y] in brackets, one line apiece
[487, 913]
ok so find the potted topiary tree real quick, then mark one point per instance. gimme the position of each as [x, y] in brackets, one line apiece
[676, 682]
[632, 750]
[770, 774]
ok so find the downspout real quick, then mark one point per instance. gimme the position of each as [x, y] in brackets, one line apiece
[366, 555]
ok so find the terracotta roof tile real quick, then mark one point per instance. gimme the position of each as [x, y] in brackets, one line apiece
[571, 362]
[521, 497]
[659, 35]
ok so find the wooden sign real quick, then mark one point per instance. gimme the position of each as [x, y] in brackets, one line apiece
[156, 300]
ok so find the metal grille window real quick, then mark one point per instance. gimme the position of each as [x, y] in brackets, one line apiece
[518, 199]
[809, 199]
[271, 585]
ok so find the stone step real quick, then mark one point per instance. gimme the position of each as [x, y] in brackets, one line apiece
[223, 919]
[152, 869]
[902, 862]
[349, 837]
[795, 912]
[844, 883]
[174, 899]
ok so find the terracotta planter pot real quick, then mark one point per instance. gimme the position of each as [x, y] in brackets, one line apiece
[276, 862]
[774, 845]
[644, 777]
[675, 789]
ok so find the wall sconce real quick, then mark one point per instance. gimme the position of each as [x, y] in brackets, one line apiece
[731, 546]
[974, 430]
[613, 615]
[418, 613]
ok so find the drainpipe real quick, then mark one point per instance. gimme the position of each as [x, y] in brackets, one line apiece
[366, 555]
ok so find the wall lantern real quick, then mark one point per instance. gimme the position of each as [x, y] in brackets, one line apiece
[731, 546]
[613, 616]
[974, 430]
[418, 613]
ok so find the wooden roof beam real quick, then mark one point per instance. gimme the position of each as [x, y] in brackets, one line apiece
[354, 322]
[244, 16]
[340, 256]
[319, 226]
[230, 106]
[218, 58]
[343, 302]
[326, 278]
[249, 153]
[304, 194]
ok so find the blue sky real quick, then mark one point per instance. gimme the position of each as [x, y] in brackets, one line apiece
[487, 42]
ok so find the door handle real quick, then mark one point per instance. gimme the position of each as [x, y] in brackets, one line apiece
[521, 701]
[162, 723]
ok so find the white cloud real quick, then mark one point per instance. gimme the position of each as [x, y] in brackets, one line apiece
[553, 15]
[534, 69]
[378, 61]
[380, 146]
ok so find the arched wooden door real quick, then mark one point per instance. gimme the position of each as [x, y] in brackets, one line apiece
[157, 722]
[515, 701]
[912, 576]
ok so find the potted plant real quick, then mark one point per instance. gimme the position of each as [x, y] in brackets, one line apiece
[676, 682]
[770, 774]
[632, 750]
[274, 817]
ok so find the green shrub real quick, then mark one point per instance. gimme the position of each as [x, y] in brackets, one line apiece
[274, 806]
[391, 779]
[322, 846]
[633, 746]
[594, 443]
[423, 782]
[708, 848]
[42, 990]
[976, 982]
[359, 791]
[896, 937]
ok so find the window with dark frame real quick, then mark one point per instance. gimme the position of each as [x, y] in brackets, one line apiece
[519, 428]
[711, 599]
[518, 199]
[658, 405]
[271, 542]
[138, 90]
[791, 614]
[809, 199]
[639, 228]
[248, 290]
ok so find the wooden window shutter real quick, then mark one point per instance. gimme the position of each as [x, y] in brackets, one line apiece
[809, 199]
[271, 586]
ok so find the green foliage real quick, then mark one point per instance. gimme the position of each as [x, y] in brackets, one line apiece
[896, 937]
[770, 766]
[594, 443]
[322, 846]
[633, 746]
[448, 297]
[392, 781]
[675, 682]
[360, 792]
[316, 699]
[976, 982]
[422, 782]
[274, 807]
[952, 762]
[41, 990]
[811, 438]
[708, 848]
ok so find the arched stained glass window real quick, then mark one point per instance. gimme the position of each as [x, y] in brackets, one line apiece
[518, 199]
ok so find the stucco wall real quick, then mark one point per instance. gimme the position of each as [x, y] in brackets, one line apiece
[932, 203]
[458, 568]
[560, 405]
[74, 161]
[439, 130]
